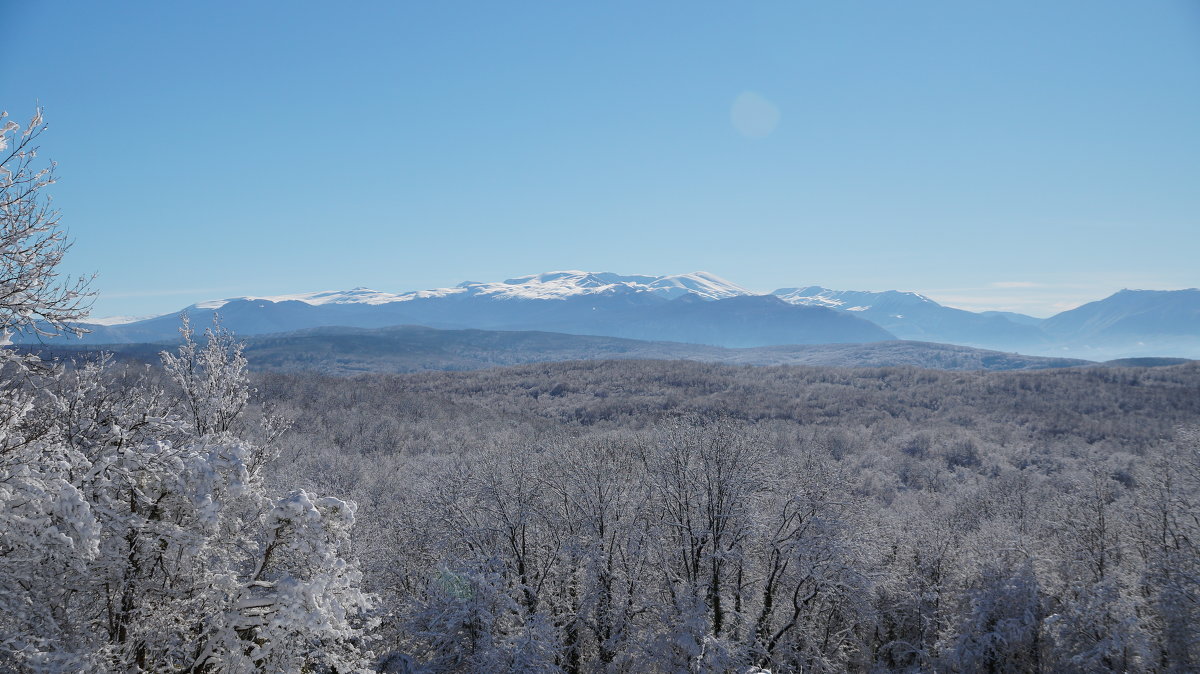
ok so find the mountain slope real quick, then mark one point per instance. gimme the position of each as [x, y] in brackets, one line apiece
[1130, 314]
[910, 315]
[757, 320]
[1020, 319]
[1126, 323]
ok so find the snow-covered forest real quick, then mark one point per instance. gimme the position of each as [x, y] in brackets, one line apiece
[656, 516]
[671, 516]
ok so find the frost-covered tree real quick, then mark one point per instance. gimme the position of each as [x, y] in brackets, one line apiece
[813, 592]
[32, 297]
[136, 534]
[211, 379]
[1168, 523]
[705, 481]
[46, 523]
[1001, 620]
[144, 545]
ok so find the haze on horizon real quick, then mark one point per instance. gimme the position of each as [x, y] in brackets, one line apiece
[1021, 156]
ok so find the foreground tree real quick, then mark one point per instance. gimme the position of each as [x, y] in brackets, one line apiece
[32, 297]
[136, 533]
[46, 523]
[137, 543]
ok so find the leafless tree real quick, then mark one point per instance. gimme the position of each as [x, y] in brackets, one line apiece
[33, 298]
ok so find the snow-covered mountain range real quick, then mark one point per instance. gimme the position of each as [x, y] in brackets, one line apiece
[554, 285]
[703, 308]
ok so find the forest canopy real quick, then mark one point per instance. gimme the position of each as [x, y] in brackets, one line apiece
[678, 516]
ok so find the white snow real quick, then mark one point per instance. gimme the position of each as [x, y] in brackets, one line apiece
[564, 284]
[859, 300]
[702, 283]
[119, 320]
[812, 296]
[555, 285]
[356, 296]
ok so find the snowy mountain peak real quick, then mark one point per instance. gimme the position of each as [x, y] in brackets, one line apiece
[848, 300]
[360, 295]
[559, 285]
[552, 285]
[702, 283]
[576, 277]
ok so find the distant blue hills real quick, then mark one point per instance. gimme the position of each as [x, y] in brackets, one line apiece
[701, 308]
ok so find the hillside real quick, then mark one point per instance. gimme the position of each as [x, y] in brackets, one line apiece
[343, 351]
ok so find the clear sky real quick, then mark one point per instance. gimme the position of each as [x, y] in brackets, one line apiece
[1023, 155]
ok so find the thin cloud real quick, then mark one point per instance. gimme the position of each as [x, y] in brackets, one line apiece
[1015, 284]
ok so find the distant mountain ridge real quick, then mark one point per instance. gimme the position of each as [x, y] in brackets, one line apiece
[1130, 320]
[704, 308]
[695, 308]
[555, 285]
[910, 315]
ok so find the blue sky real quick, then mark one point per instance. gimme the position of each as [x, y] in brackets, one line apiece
[1022, 155]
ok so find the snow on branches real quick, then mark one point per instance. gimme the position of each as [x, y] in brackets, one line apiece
[32, 297]
[132, 541]
[136, 533]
